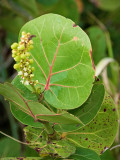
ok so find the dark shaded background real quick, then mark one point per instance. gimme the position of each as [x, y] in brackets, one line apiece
[100, 19]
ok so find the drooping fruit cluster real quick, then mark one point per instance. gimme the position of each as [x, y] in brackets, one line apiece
[21, 54]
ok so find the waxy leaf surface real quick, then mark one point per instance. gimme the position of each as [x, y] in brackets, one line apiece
[62, 60]
[99, 134]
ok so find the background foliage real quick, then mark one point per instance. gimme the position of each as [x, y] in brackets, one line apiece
[99, 18]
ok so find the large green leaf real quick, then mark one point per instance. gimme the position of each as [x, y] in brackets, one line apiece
[34, 109]
[38, 139]
[99, 134]
[88, 110]
[62, 61]
[84, 154]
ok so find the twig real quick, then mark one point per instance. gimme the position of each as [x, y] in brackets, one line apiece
[13, 138]
[115, 147]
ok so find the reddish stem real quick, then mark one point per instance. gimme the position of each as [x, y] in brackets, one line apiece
[50, 72]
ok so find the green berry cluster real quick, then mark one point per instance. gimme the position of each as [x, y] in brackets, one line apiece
[21, 54]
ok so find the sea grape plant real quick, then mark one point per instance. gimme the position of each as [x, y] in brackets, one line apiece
[66, 110]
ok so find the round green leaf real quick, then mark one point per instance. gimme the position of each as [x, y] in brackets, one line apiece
[62, 61]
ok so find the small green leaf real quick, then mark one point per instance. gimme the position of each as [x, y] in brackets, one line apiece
[99, 134]
[34, 109]
[39, 140]
[62, 61]
[44, 114]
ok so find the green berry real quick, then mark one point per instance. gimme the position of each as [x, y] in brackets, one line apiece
[31, 46]
[17, 58]
[23, 56]
[28, 34]
[32, 69]
[27, 54]
[14, 51]
[23, 33]
[31, 42]
[14, 46]
[36, 82]
[31, 61]
[21, 47]
[32, 75]
[16, 66]
[13, 55]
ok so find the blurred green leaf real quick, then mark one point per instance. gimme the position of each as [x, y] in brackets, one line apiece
[15, 23]
[66, 8]
[98, 41]
[9, 148]
[113, 77]
[108, 5]
[21, 7]
[47, 2]
[30, 6]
